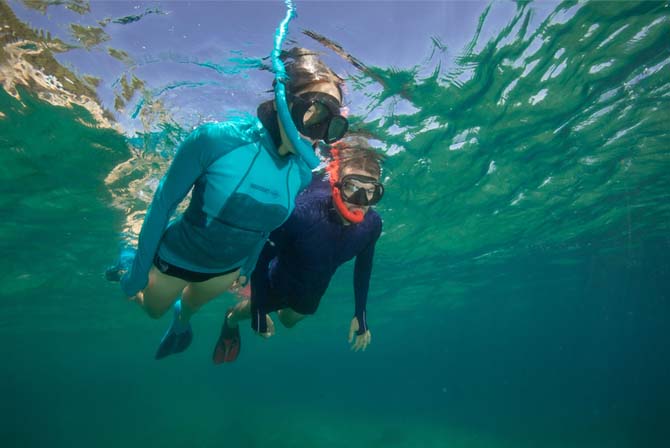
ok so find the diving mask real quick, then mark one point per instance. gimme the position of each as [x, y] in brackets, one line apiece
[360, 190]
[317, 116]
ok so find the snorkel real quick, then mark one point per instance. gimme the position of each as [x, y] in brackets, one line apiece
[301, 145]
[333, 170]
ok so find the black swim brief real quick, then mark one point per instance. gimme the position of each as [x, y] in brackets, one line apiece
[184, 274]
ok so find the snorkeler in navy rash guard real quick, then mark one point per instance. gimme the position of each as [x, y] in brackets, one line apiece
[245, 175]
[331, 224]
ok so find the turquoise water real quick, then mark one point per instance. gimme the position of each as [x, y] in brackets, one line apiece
[520, 295]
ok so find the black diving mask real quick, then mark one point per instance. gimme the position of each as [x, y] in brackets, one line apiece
[360, 190]
[317, 116]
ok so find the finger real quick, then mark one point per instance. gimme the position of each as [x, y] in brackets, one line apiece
[366, 342]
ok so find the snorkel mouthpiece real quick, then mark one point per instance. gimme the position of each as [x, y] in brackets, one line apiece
[301, 145]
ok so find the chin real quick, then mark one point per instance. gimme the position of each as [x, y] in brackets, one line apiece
[358, 209]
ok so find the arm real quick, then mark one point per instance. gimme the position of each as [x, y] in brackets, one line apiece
[184, 170]
[260, 285]
[362, 273]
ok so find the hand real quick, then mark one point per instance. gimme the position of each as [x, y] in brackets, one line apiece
[270, 328]
[237, 284]
[138, 298]
[362, 340]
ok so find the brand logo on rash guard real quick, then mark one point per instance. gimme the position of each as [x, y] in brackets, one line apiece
[265, 190]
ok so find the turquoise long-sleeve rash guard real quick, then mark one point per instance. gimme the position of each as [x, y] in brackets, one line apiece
[242, 190]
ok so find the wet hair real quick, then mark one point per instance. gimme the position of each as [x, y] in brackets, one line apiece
[304, 67]
[354, 151]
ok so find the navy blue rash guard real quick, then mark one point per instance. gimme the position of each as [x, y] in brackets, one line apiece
[295, 267]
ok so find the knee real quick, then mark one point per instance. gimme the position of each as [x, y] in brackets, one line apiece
[288, 318]
[287, 323]
[282, 318]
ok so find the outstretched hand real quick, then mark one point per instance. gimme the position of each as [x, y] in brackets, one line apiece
[362, 340]
[137, 298]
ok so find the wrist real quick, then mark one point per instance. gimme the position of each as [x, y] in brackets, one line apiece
[258, 321]
[362, 323]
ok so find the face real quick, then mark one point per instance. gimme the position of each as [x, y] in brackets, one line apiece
[316, 112]
[351, 186]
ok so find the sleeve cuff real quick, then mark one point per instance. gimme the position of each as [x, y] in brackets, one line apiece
[130, 289]
[258, 321]
[362, 323]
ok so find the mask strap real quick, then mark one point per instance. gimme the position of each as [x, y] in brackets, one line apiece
[333, 170]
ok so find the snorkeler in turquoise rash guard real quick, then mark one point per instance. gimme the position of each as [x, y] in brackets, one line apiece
[245, 175]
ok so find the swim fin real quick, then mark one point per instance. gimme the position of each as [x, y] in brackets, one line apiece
[228, 346]
[178, 337]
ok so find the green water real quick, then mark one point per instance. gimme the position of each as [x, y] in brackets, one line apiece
[520, 296]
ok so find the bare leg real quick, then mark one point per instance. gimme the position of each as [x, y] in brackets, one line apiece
[241, 311]
[161, 292]
[196, 295]
[289, 318]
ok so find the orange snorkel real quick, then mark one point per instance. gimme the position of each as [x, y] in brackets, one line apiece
[333, 170]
